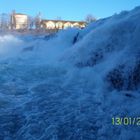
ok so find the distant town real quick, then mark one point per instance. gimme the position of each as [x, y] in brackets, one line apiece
[23, 22]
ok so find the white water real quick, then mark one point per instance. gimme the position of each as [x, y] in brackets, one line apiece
[61, 89]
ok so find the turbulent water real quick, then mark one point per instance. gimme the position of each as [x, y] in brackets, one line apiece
[70, 85]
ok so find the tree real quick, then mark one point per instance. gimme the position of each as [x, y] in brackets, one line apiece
[58, 18]
[38, 20]
[4, 21]
[12, 19]
[90, 18]
[30, 22]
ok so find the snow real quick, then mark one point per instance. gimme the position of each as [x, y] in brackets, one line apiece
[68, 86]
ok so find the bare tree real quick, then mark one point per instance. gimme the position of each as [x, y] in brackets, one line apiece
[31, 22]
[37, 20]
[58, 18]
[12, 19]
[90, 18]
[4, 21]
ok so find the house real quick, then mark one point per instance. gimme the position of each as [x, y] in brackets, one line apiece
[61, 24]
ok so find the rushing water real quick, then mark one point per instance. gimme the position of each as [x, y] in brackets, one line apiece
[69, 86]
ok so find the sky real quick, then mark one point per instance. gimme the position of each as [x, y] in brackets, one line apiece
[68, 9]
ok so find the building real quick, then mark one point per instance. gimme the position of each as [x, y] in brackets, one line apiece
[61, 24]
[19, 21]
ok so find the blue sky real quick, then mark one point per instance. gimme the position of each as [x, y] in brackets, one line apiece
[68, 9]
